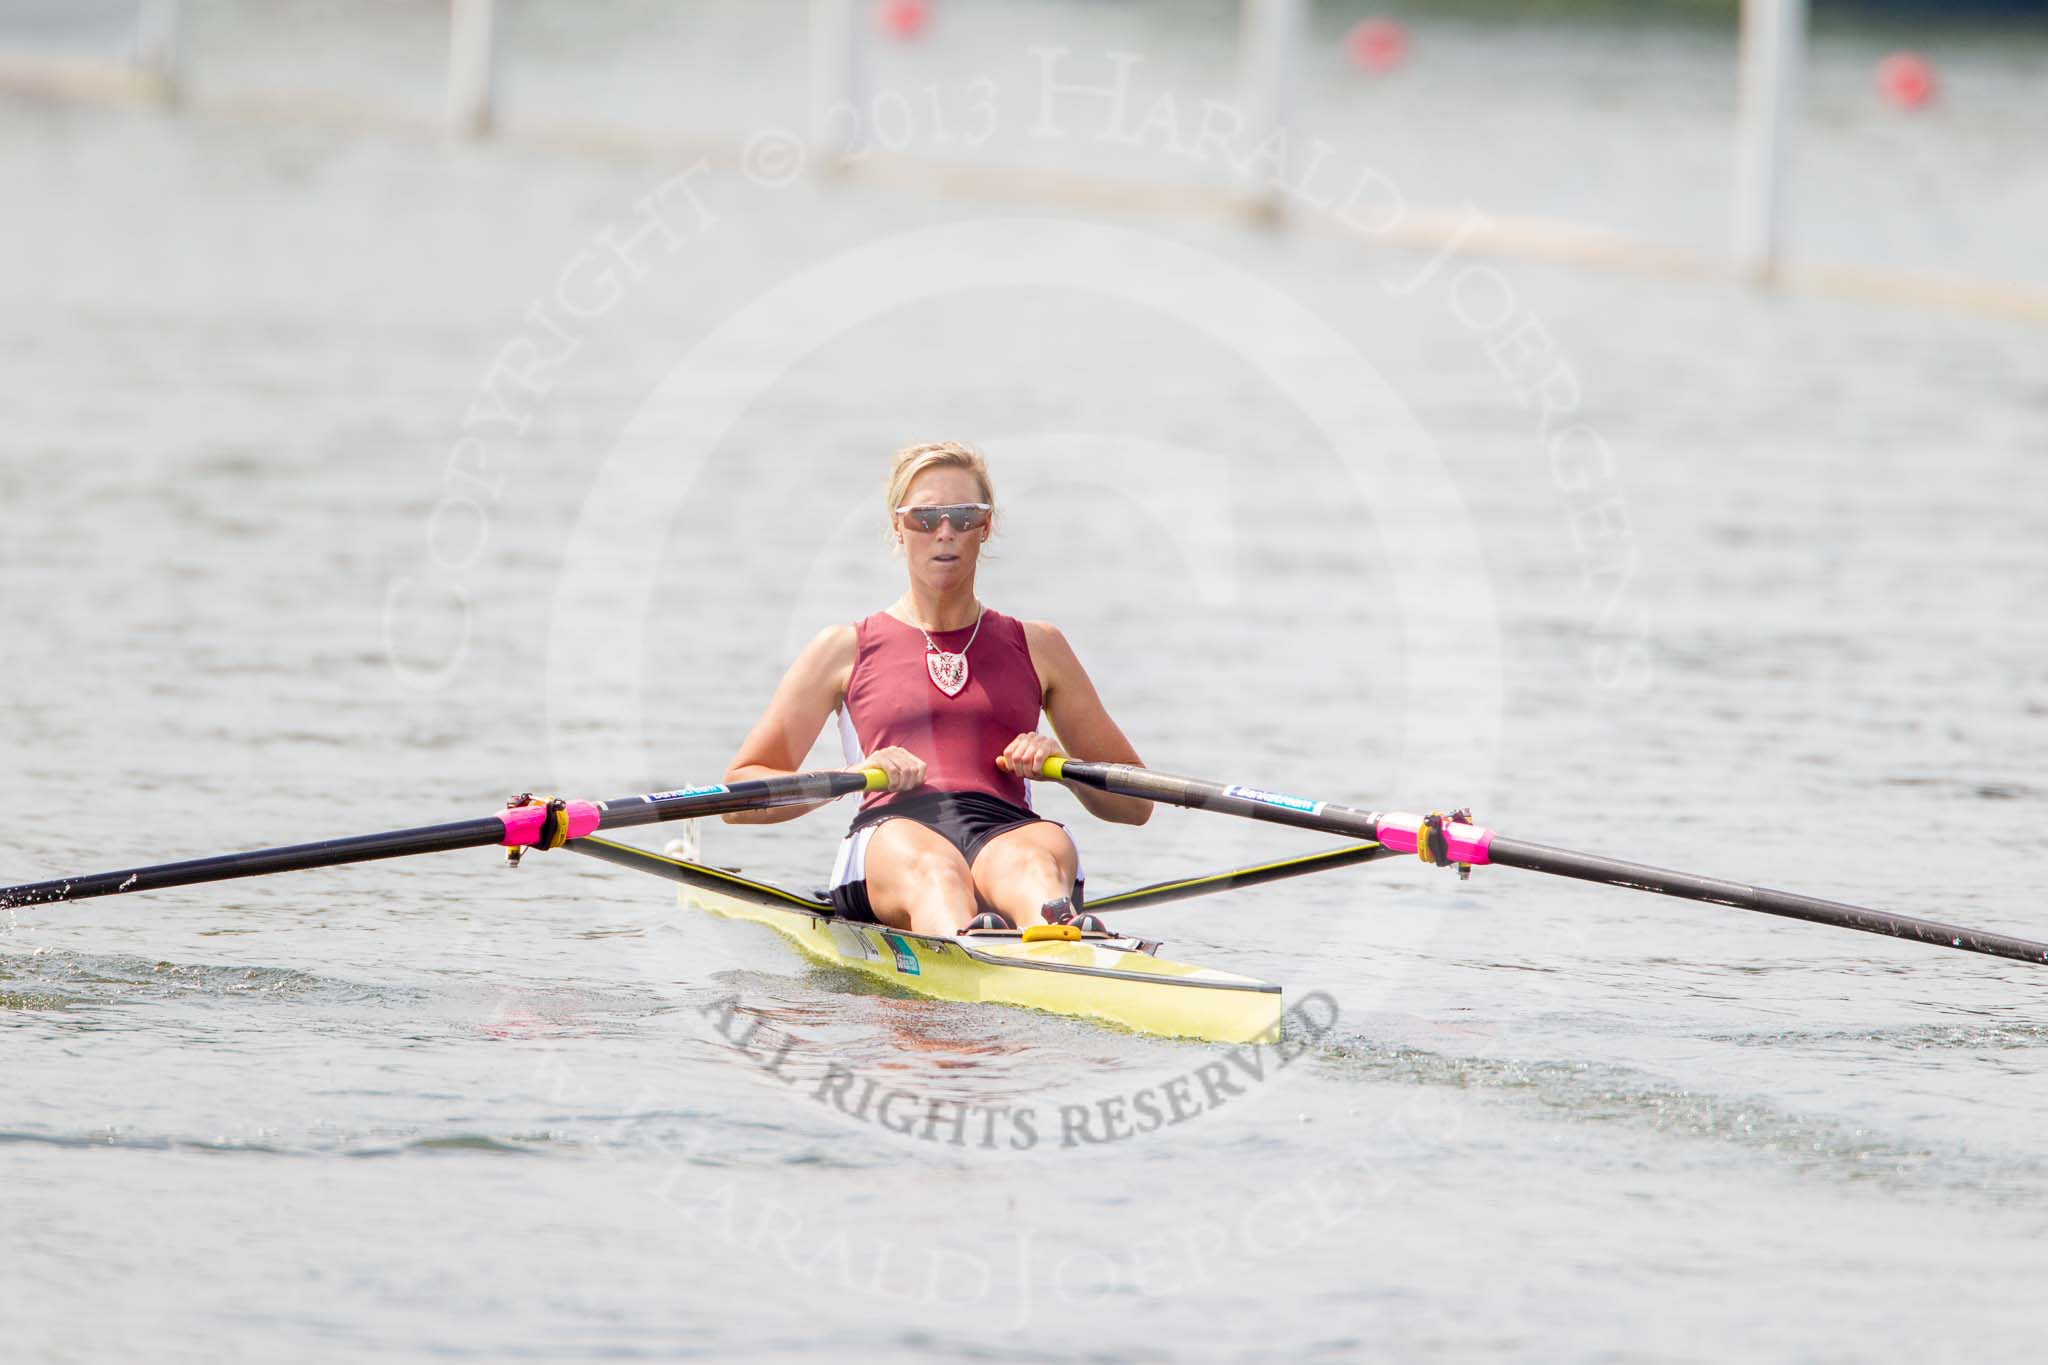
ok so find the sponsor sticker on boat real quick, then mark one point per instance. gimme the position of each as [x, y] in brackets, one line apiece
[906, 961]
[712, 790]
[1266, 798]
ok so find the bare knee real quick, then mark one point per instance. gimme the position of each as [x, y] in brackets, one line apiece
[927, 891]
[937, 887]
[1021, 880]
[1035, 865]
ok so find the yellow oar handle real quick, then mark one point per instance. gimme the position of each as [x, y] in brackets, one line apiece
[878, 781]
[1050, 768]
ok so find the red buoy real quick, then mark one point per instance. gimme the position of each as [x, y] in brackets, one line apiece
[1377, 45]
[1906, 80]
[903, 18]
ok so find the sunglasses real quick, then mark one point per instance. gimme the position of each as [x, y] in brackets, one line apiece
[965, 516]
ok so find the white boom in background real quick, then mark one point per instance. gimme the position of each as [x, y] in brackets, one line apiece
[160, 49]
[1269, 42]
[1773, 53]
[838, 79]
[471, 62]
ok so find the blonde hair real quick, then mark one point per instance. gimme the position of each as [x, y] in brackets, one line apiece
[911, 461]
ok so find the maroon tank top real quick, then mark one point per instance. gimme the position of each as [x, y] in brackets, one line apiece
[891, 700]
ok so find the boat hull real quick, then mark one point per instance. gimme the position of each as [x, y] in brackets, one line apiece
[1110, 980]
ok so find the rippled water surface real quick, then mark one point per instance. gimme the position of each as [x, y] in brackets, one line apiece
[292, 550]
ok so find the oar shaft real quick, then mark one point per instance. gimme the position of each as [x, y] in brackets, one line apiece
[1258, 874]
[517, 827]
[1714, 891]
[691, 803]
[1253, 803]
[1474, 845]
[359, 848]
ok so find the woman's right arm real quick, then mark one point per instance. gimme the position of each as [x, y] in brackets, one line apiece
[804, 700]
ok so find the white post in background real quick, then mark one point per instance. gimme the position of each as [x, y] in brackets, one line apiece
[838, 80]
[1773, 58]
[471, 58]
[1269, 36]
[160, 50]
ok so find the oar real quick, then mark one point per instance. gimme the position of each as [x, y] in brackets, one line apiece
[541, 824]
[1450, 842]
[1258, 874]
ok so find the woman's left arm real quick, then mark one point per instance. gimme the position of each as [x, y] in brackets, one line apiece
[1081, 723]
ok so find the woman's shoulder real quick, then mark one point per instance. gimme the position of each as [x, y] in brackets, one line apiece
[1051, 655]
[1040, 634]
[851, 634]
[992, 618]
[833, 648]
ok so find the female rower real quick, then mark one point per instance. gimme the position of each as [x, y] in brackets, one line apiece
[944, 696]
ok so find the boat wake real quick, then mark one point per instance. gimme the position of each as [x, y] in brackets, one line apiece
[1753, 1126]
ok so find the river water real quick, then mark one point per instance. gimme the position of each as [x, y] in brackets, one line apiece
[354, 479]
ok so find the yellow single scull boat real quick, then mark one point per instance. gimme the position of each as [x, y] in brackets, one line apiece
[1110, 978]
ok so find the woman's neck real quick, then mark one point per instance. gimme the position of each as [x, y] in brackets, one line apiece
[929, 610]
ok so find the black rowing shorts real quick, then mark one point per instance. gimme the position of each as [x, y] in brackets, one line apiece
[967, 820]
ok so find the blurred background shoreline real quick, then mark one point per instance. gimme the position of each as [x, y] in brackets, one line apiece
[1594, 133]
